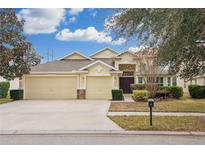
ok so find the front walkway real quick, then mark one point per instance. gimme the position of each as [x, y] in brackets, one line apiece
[30, 115]
[155, 113]
[127, 98]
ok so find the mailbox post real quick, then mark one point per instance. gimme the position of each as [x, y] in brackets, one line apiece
[150, 105]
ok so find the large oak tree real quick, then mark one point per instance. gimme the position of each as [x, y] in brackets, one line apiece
[16, 54]
[178, 35]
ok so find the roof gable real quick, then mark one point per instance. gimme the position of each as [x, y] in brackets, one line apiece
[126, 52]
[75, 56]
[104, 53]
[97, 62]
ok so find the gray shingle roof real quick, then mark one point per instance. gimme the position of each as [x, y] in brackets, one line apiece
[64, 65]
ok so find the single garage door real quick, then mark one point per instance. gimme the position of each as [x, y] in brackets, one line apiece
[51, 88]
[99, 88]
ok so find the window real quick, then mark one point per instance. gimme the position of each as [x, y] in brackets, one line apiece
[174, 81]
[127, 67]
[160, 81]
[150, 79]
[140, 79]
[169, 81]
[128, 74]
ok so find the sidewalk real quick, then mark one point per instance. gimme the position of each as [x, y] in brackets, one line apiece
[155, 113]
[127, 98]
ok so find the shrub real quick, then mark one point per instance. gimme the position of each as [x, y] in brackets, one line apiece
[140, 95]
[203, 91]
[197, 91]
[16, 94]
[137, 87]
[163, 88]
[4, 86]
[0, 93]
[117, 94]
[176, 91]
[163, 91]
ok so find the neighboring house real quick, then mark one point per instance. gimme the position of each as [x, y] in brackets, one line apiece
[199, 80]
[14, 84]
[76, 76]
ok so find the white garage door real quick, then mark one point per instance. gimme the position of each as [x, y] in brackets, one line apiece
[99, 88]
[51, 88]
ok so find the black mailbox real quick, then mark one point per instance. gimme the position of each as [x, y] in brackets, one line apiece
[151, 103]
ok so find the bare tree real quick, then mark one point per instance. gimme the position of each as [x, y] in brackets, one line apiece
[148, 67]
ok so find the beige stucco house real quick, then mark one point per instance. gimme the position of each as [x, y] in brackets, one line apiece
[199, 80]
[76, 76]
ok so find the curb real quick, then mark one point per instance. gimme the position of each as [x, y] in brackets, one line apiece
[155, 114]
[98, 132]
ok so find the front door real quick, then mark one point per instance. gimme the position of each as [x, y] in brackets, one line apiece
[125, 84]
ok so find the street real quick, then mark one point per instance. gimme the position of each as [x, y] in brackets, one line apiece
[100, 139]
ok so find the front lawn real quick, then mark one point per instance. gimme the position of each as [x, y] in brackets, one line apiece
[163, 123]
[185, 104]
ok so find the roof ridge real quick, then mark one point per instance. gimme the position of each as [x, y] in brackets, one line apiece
[103, 50]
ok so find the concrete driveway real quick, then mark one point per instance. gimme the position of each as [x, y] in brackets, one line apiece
[50, 115]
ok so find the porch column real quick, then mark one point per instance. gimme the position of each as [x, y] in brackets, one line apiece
[81, 91]
[165, 81]
[115, 81]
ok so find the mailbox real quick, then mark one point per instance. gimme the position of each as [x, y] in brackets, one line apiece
[151, 103]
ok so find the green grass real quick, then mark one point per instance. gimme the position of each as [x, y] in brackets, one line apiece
[5, 100]
[163, 123]
[185, 104]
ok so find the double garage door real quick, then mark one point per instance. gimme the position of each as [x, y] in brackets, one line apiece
[66, 88]
[51, 88]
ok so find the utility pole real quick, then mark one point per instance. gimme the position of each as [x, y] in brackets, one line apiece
[52, 54]
[48, 55]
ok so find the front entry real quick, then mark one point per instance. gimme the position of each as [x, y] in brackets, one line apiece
[125, 84]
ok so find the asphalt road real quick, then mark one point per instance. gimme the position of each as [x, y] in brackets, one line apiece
[100, 139]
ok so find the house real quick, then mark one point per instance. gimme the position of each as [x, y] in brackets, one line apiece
[199, 80]
[14, 84]
[76, 76]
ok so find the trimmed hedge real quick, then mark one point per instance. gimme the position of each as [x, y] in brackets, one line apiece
[176, 91]
[0, 93]
[4, 88]
[137, 87]
[197, 91]
[163, 91]
[117, 94]
[16, 94]
[140, 95]
[169, 91]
